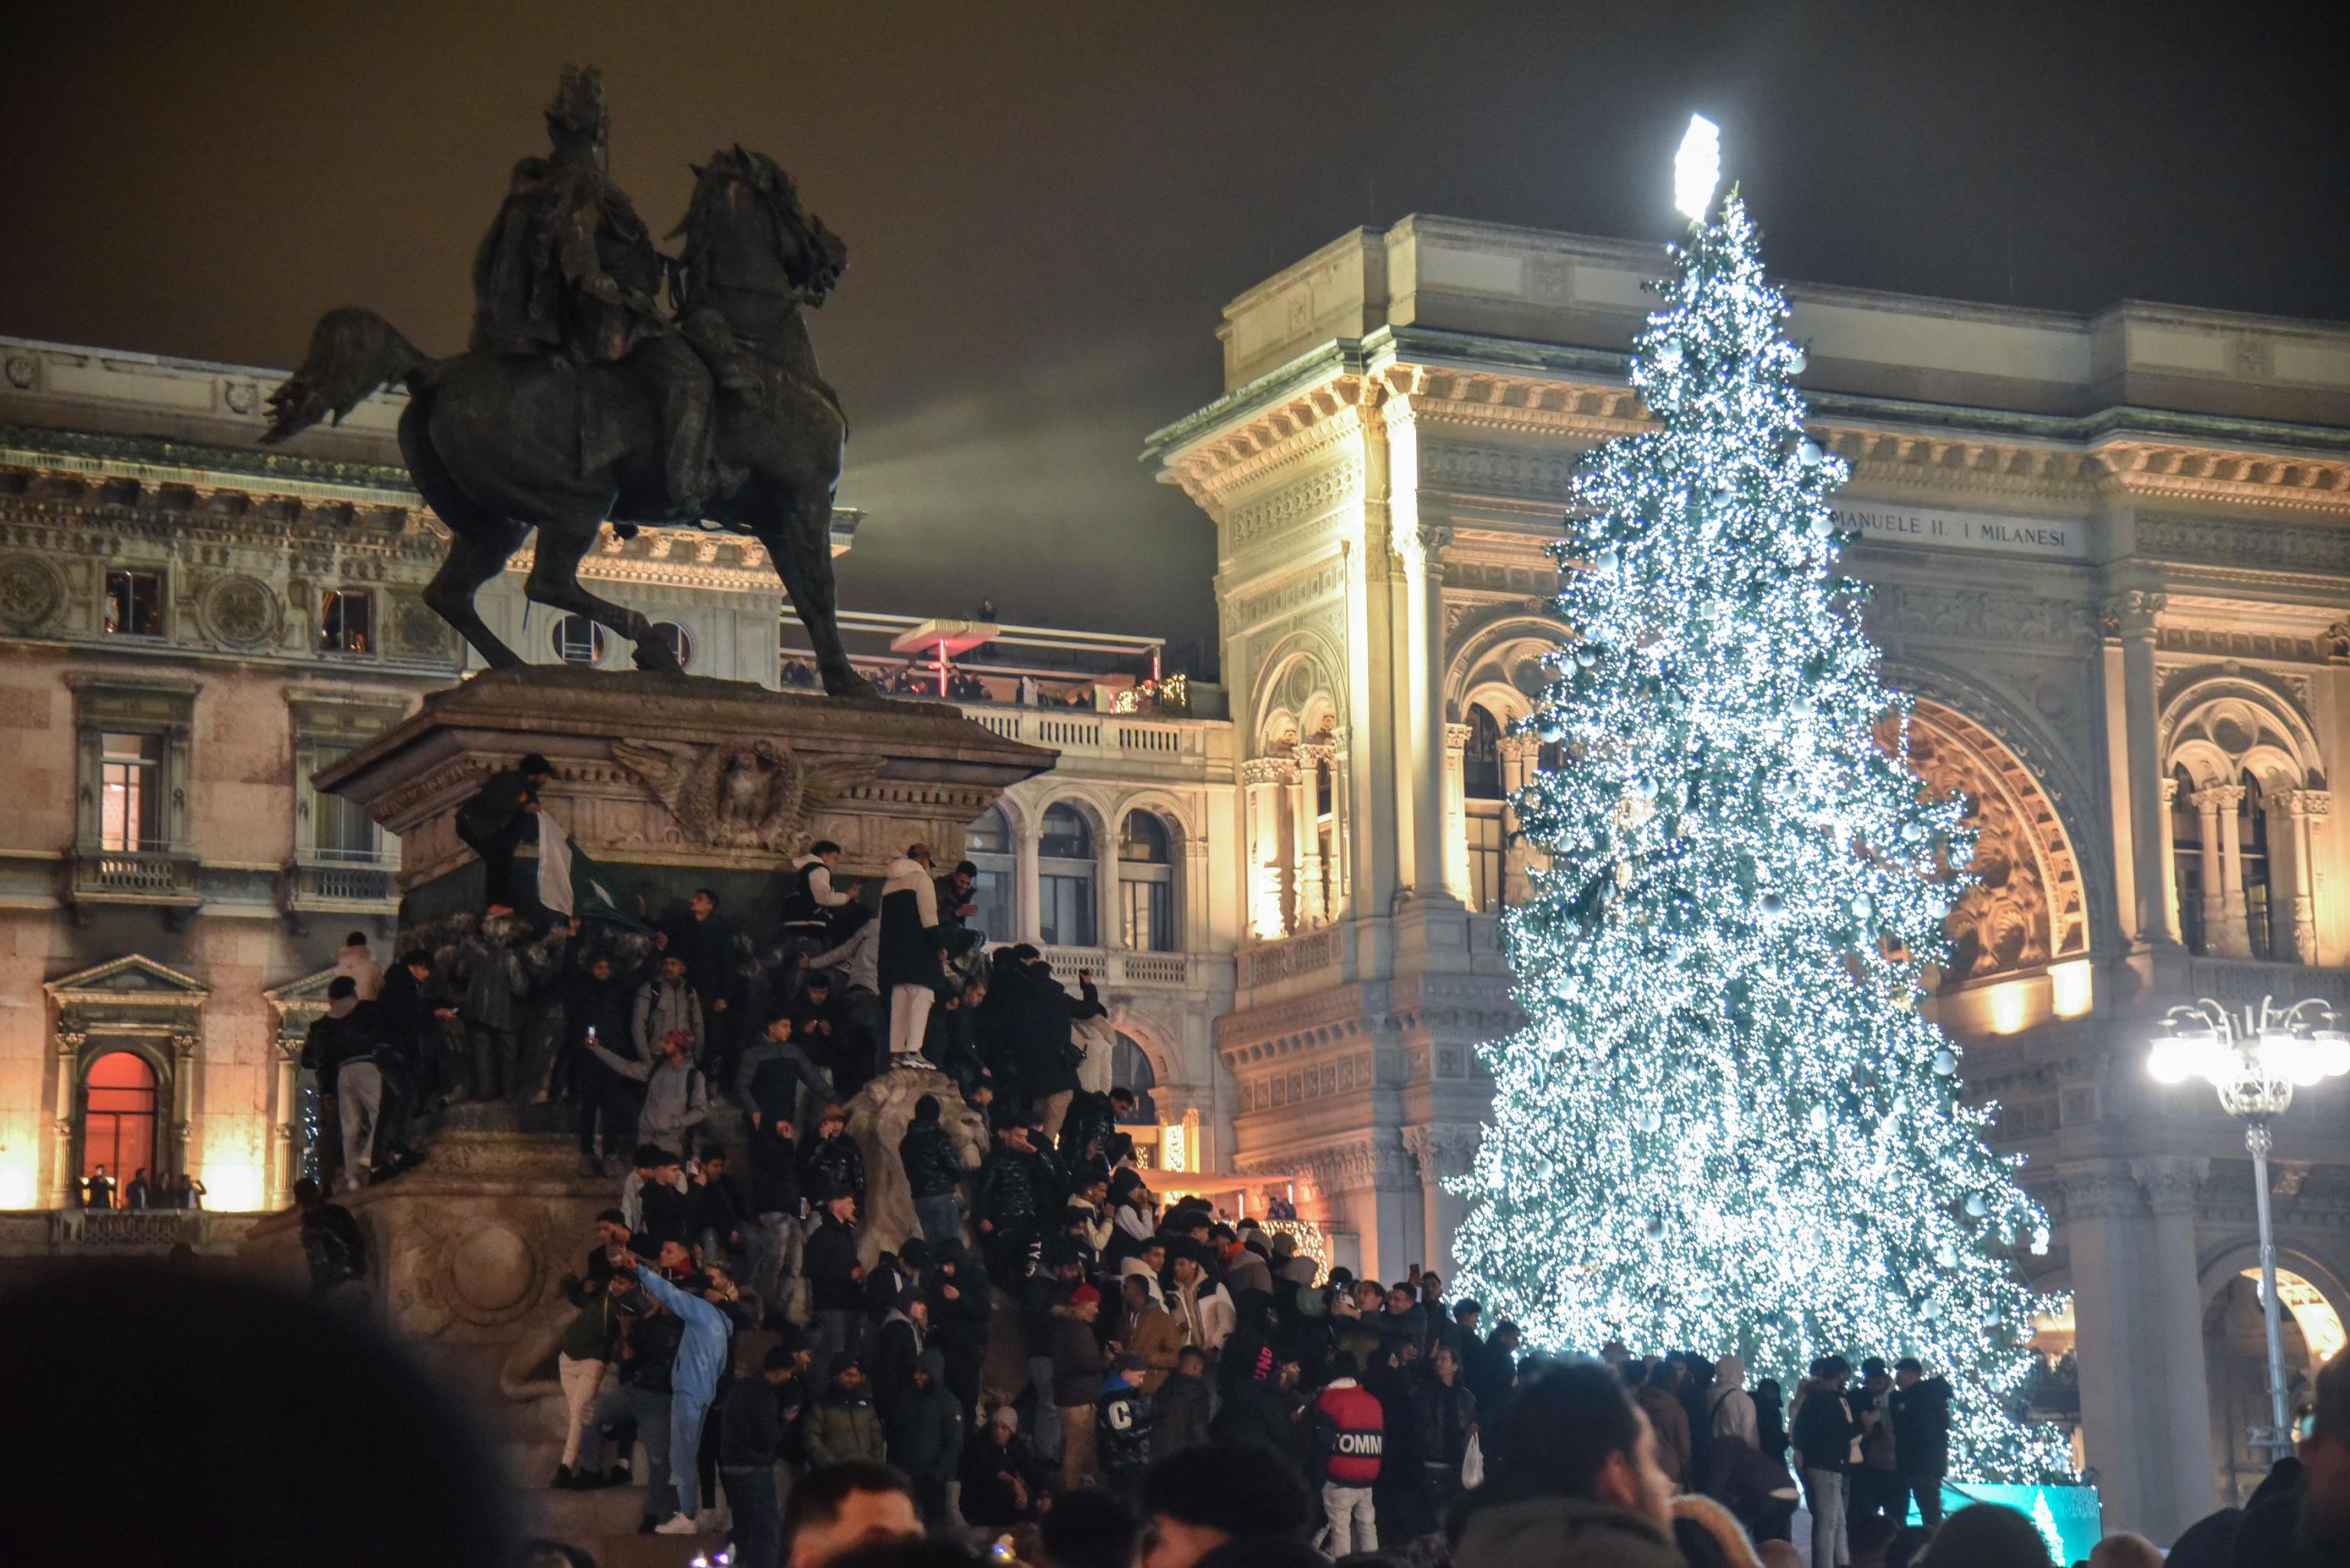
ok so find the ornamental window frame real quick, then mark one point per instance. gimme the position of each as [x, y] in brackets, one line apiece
[157, 710]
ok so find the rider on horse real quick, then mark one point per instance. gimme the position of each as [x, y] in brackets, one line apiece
[568, 269]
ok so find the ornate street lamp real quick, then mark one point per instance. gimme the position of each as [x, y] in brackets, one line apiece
[2256, 1060]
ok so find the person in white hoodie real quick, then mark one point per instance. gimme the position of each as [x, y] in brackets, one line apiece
[909, 965]
[358, 960]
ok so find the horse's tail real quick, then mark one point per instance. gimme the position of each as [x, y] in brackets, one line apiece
[352, 353]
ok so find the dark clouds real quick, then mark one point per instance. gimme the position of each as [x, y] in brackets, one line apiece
[1047, 204]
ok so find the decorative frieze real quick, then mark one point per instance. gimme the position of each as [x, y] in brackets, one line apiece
[1978, 614]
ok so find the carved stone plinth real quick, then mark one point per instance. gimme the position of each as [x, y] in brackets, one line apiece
[466, 1256]
[672, 780]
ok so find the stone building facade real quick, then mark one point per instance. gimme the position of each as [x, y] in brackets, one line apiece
[191, 626]
[2111, 558]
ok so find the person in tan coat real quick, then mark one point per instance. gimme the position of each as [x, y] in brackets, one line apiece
[1147, 1330]
[1661, 1397]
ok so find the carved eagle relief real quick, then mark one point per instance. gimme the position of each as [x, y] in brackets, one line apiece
[746, 792]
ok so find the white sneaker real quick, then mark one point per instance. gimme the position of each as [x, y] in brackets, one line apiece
[677, 1524]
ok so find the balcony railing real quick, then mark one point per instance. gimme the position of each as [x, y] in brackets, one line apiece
[1069, 730]
[2247, 980]
[1298, 956]
[162, 877]
[1120, 966]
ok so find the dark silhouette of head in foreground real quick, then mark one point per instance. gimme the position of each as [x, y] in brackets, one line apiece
[188, 1414]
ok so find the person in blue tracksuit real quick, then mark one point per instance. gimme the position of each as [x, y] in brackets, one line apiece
[693, 1383]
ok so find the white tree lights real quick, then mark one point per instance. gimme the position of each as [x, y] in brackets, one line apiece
[1725, 1126]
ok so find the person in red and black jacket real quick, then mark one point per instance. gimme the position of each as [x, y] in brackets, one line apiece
[1350, 1436]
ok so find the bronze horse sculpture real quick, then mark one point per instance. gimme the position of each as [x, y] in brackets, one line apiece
[502, 443]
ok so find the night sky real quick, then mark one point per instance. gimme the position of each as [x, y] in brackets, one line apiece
[1047, 205]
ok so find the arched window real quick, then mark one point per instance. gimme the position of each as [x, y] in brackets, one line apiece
[1481, 784]
[1481, 763]
[1146, 874]
[578, 640]
[679, 640]
[1130, 1068]
[119, 1117]
[987, 844]
[2253, 835]
[1065, 879]
[2187, 859]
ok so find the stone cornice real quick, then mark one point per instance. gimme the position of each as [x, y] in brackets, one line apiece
[1475, 382]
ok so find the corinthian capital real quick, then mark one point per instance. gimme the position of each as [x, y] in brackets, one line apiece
[2132, 614]
[1443, 1149]
[2170, 1184]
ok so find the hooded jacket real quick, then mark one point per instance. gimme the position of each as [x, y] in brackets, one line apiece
[661, 1007]
[934, 1168]
[925, 1430]
[1500, 1531]
[677, 1096]
[911, 938]
[845, 1425]
[1178, 1416]
[1731, 1407]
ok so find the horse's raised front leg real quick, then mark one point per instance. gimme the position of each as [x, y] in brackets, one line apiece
[474, 558]
[555, 582]
[801, 544]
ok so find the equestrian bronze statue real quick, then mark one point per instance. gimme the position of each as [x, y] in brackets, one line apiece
[607, 380]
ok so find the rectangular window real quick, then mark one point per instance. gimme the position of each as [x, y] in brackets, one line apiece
[991, 891]
[346, 621]
[1066, 919]
[1149, 915]
[131, 776]
[135, 604]
[1486, 862]
[340, 829]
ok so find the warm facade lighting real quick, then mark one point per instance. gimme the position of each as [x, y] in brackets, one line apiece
[2011, 1006]
[2072, 988]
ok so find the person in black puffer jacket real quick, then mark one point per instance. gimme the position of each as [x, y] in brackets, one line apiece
[933, 1171]
[1011, 1212]
[830, 1162]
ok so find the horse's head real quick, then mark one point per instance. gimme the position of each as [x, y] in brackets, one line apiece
[746, 230]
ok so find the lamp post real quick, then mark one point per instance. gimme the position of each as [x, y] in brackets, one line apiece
[2255, 1060]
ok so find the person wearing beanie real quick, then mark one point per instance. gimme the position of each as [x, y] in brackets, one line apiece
[1078, 1362]
[934, 1172]
[843, 1426]
[1002, 1477]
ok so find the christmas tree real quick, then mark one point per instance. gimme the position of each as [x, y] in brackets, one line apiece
[1725, 1126]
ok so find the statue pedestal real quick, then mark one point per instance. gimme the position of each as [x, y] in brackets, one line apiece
[672, 782]
[669, 784]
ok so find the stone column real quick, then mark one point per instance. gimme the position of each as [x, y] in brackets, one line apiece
[1030, 891]
[2134, 1279]
[1261, 779]
[2169, 862]
[2182, 1460]
[2206, 802]
[1109, 894]
[1520, 754]
[1442, 1151]
[1342, 824]
[284, 1108]
[1306, 845]
[184, 1098]
[2302, 813]
[1456, 811]
[62, 1175]
[2135, 615]
[2231, 937]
